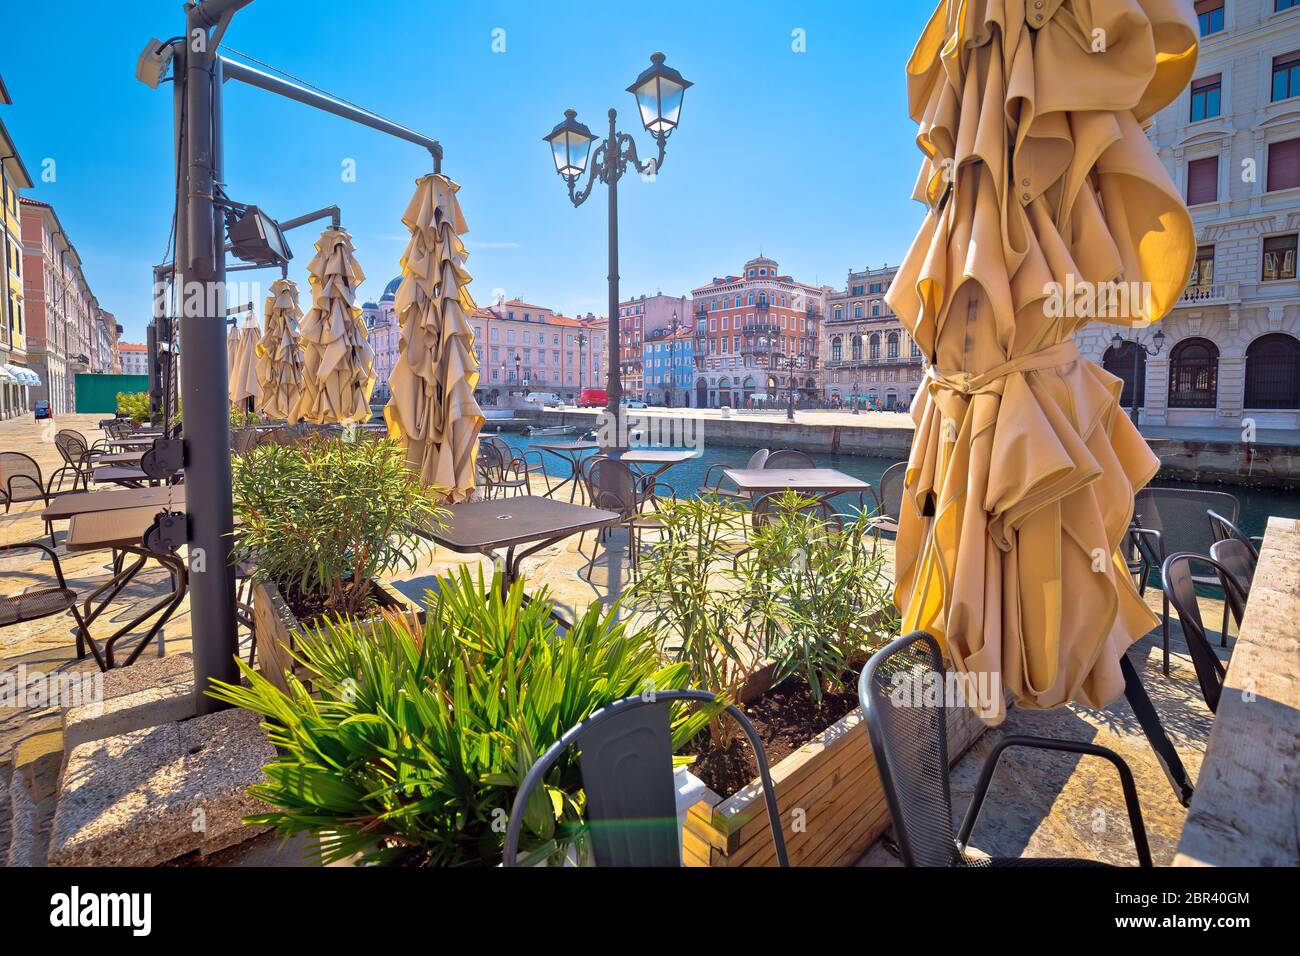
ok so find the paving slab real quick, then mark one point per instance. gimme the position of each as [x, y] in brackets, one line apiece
[152, 795]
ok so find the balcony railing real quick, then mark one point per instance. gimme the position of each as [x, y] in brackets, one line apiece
[1210, 294]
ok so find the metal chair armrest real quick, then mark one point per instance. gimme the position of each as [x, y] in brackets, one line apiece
[1065, 746]
[37, 546]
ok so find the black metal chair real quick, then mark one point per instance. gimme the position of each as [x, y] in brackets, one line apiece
[1171, 520]
[1239, 560]
[496, 473]
[518, 465]
[714, 486]
[21, 480]
[1179, 584]
[1223, 530]
[78, 459]
[35, 603]
[614, 486]
[789, 458]
[889, 498]
[909, 738]
[626, 761]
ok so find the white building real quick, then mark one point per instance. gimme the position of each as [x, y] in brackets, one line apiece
[135, 358]
[1231, 143]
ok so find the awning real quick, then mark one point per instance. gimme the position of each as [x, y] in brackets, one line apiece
[18, 375]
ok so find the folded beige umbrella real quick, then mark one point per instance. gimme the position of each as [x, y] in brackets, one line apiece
[338, 364]
[241, 348]
[279, 354]
[432, 409]
[1038, 179]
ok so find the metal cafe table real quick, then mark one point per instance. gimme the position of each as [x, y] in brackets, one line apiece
[126, 476]
[653, 462]
[484, 527]
[571, 452]
[820, 483]
[99, 522]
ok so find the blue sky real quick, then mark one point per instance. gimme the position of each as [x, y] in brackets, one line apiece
[808, 156]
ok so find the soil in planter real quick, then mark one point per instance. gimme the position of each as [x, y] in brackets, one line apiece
[308, 608]
[785, 718]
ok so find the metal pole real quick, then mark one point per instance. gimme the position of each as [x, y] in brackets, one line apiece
[1133, 405]
[614, 384]
[203, 380]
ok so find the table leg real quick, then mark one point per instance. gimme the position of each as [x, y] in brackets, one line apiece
[167, 605]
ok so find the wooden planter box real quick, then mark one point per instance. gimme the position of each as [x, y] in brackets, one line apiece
[279, 633]
[832, 779]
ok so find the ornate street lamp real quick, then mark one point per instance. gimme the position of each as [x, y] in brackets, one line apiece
[658, 91]
[1139, 347]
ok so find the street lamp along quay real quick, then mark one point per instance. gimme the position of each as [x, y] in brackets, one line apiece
[1117, 343]
[658, 91]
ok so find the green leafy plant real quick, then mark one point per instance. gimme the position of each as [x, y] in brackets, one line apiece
[802, 591]
[832, 593]
[419, 735]
[134, 405]
[327, 518]
[242, 418]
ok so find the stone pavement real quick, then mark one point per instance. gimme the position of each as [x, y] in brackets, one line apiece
[1040, 804]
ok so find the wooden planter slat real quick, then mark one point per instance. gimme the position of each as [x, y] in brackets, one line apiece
[833, 778]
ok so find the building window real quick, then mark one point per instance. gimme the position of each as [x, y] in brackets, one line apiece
[839, 312]
[1207, 97]
[1279, 258]
[857, 348]
[1286, 75]
[875, 348]
[1194, 374]
[1284, 165]
[1273, 372]
[1202, 180]
[1129, 364]
[1203, 270]
[1209, 14]
[892, 345]
[1280, 5]
[857, 290]
[837, 349]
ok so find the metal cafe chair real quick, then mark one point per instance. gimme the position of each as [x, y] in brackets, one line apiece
[613, 485]
[1180, 586]
[35, 603]
[889, 498]
[1237, 557]
[1224, 530]
[78, 459]
[713, 486]
[625, 757]
[910, 743]
[518, 463]
[1172, 520]
[789, 458]
[499, 475]
[21, 480]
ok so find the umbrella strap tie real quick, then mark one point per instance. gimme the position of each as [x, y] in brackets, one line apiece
[1063, 353]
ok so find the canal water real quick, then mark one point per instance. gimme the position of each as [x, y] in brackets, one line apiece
[686, 478]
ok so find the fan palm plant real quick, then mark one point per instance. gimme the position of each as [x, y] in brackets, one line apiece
[418, 736]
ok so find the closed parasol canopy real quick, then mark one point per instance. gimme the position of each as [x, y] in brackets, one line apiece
[432, 410]
[241, 355]
[1047, 209]
[279, 353]
[338, 364]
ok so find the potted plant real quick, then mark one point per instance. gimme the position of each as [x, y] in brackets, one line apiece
[417, 735]
[321, 524]
[780, 621]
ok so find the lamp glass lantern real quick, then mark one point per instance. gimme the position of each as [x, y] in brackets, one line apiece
[659, 91]
[570, 145]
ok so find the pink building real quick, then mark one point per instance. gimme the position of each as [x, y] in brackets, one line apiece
[385, 337]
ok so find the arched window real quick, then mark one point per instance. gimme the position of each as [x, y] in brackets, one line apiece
[837, 349]
[1194, 374]
[1273, 372]
[1119, 362]
[875, 348]
[891, 345]
[857, 348]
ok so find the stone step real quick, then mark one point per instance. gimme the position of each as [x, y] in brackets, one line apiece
[33, 794]
[159, 793]
[6, 809]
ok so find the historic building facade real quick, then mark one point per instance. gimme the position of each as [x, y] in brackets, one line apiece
[63, 315]
[638, 320]
[134, 358]
[668, 363]
[17, 380]
[755, 334]
[1231, 143]
[866, 352]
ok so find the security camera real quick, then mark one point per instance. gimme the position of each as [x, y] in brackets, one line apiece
[154, 62]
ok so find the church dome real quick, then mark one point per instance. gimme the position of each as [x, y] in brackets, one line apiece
[390, 290]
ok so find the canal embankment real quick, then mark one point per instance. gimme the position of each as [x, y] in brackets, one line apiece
[1226, 460]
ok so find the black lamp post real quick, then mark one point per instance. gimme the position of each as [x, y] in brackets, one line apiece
[855, 398]
[582, 341]
[792, 363]
[659, 91]
[1139, 347]
[674, 327]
